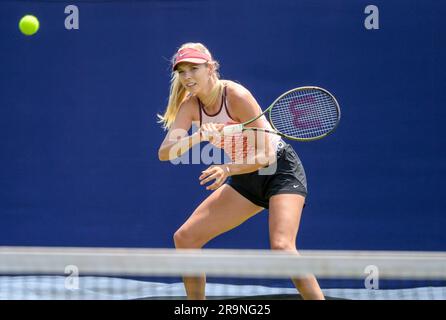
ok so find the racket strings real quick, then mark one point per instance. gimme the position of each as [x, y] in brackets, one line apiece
[305, 114]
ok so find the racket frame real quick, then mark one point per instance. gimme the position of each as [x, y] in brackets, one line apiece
[237, 128]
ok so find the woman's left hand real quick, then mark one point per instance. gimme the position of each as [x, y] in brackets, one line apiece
[217, 172]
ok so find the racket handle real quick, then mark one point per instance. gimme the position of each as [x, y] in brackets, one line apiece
[233, 129]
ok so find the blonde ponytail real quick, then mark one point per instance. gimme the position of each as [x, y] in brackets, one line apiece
[176, 97]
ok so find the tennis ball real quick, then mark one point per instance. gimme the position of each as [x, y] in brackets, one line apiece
[29, 25]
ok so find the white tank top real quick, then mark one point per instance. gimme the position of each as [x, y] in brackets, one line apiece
[235, 146]
[222, 115]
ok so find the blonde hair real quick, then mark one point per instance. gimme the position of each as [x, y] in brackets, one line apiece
[178, 93]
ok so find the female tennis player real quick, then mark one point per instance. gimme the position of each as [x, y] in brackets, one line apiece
[198, 95]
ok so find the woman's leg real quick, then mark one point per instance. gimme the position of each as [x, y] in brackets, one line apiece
[223, 210]
[284, 217]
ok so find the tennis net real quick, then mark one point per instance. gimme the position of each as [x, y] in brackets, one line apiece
[59, 273]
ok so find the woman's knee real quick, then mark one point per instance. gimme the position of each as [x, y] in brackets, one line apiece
[283, 244]
[185, 240]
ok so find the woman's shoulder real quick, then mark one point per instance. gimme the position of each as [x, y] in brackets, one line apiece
[236, 92]
[240, 101]
[190, 106]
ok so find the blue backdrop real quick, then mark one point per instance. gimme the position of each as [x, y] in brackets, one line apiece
[79, 138]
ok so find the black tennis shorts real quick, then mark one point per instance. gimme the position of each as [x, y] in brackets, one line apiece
[288, 177]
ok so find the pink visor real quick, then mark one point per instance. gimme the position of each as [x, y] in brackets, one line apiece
[190, 55]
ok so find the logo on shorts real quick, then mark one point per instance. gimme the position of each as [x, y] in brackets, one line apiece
[295, 186]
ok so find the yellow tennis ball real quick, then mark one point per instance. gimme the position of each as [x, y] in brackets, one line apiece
[29, 25]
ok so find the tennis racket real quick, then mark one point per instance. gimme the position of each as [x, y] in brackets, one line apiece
[302, 114]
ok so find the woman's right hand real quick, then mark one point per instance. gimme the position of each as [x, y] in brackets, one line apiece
[211, 131]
